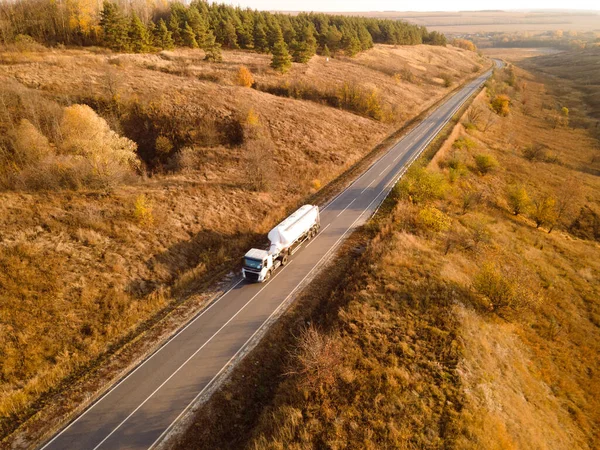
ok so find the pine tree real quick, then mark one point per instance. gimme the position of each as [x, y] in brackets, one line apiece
[175, 29]
[229, 34]
[198, 24]
[189, 37]
[245, 33]
[351, 46]
[260, 38]
[326, 52]
[274, 33]
[212, 49]
[281, 58]
[114, 27]
[333, 39]
[139, 38]
[163, 38]
[304, 49]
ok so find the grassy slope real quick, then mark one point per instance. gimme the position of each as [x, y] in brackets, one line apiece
[79, 270]
[409, 352]
[586, 77]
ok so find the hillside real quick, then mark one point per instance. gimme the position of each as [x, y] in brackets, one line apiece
[585, 79]
[466, 316]
[89, 249]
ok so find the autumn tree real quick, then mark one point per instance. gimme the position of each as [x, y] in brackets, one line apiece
[500, 104]
[517, 199]
[244, 77]
[88, 135]
[543, 210]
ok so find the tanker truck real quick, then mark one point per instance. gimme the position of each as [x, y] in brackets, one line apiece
[285, 239]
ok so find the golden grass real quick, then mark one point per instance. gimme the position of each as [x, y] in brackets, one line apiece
[428, 360]
[83, 266]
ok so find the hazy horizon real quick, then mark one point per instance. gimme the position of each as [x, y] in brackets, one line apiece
[426, 6]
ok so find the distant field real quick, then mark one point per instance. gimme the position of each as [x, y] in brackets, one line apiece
[586, 77]
[518, 54]
[497, 21]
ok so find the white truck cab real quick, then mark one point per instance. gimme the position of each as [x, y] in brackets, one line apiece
[258, 265]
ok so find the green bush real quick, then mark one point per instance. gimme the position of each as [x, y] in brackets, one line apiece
[422, 186]
[485, 163]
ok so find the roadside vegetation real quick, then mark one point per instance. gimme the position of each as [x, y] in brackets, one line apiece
[467, 316]
[130, 180]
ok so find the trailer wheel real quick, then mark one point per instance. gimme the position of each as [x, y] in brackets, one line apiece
[284, 260]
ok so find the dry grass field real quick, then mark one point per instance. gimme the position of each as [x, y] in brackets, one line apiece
[471, 318]
[85, 258]
[579, 72]
[467, 22]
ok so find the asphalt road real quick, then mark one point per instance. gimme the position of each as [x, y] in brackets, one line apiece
[141, 408]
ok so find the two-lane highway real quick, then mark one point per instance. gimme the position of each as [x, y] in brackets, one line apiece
[139, 411]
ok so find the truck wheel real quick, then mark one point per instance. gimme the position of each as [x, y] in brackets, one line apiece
[267, 275]
[284, 260]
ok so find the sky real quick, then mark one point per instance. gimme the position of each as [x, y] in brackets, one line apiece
[419, 5]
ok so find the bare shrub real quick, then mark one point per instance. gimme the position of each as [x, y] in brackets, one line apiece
[504, 287]
[259, 164]
[406, 75]
[315, 359]
[30, 146]
[535, 152]
[447, 79]
[186, 160]
[475, 115]
[470, 198]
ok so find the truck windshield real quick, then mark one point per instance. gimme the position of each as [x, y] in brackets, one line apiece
[253, 263]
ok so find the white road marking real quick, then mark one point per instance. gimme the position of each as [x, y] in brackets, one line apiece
[386, 168]
[345, 208]
[363, 191]
[143, 363]
[188, 360]
[322, 230]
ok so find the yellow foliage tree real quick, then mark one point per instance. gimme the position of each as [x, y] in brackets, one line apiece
[88, 136]
[433, 219]
[30, 145]
[142, 210]
[500, 104]
[244, 77]
[464, 44]
[518, 200]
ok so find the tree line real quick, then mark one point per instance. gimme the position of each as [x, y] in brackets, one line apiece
[142, 26]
